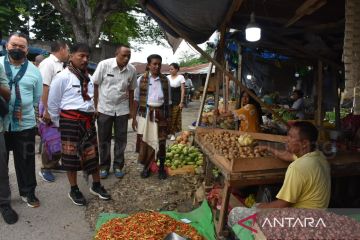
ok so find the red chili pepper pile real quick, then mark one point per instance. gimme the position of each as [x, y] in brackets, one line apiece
[145, 226]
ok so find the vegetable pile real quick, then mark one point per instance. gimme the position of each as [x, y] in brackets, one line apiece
[145, 225]
[233, 147]
[179, 155]
[184, 137]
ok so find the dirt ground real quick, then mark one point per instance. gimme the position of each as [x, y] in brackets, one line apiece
[133, 194]
[58, 218]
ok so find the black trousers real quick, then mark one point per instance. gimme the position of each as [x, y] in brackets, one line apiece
[23, 146]
[4, 173]
[105, 125]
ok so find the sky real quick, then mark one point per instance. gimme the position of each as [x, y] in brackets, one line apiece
[165, 52]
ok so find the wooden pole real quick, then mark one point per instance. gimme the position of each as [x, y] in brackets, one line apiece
[319, 95]
[219, 74]
[226, 90]
[337, 93]
[198, 120]
[239, 76]
[216, 63]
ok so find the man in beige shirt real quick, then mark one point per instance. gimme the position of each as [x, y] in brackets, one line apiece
[115, 81]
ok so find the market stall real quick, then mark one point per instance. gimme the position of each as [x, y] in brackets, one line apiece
[298, 29]
[257, 170]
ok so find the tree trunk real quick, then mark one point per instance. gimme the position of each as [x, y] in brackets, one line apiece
[86, 21]
[351, 54]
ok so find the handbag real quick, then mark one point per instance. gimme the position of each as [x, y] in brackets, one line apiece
[4, 107]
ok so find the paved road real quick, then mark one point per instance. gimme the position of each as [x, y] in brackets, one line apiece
[57, 217]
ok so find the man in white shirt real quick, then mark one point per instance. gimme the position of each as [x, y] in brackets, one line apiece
[152, 101]
[115, 81]
[298, 105]
[49, 67]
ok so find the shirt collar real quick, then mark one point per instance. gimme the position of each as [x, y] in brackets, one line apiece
[54, 58]
[115, 65]
[155, 79]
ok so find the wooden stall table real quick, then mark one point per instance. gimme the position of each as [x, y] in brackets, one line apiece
[262, 170]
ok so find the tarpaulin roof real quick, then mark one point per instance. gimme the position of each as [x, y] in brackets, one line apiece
[196, 19]
[311, 28]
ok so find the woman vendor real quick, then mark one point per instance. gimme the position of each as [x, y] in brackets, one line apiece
[249, 114]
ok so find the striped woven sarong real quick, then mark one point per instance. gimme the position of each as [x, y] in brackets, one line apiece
[79, 141]
[175, 119]
[146, 152]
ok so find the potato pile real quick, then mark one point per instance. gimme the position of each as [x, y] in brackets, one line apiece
[184, 138]
[228, 145]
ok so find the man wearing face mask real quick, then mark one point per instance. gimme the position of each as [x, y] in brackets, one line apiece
[115, 81]
[26, 88]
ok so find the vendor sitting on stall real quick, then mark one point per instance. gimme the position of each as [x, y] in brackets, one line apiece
[307, 181]
[249, 114]
[298, 104]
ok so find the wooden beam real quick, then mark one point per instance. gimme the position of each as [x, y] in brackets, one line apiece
[307, 8]
[235, 6]
[216, 63]
[301, 49]
[332, 27]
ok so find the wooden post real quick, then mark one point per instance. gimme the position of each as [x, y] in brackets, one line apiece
[337, 92]
[219, 74]
[239, 76]
[224, 208]
[226, 90]
[319, 113]
[203, 98]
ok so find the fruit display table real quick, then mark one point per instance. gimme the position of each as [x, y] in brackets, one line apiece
[249, 171]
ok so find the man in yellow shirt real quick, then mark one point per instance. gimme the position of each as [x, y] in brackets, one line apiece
[307, 181]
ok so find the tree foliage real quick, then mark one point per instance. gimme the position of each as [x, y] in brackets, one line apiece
[87, 21]
[48, 23]
[190, 59]
[113, 20]
[13, 16]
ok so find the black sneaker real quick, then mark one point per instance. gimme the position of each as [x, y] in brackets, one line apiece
[9, 215]
[31, 200]
[145, 173]
[100, 192]
[77, 198]
[162, 174]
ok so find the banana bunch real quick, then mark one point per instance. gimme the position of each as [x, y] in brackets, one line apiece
[245, 140]
[250, 200]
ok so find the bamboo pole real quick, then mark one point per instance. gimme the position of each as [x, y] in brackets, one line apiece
[198, 120]
[216, 63]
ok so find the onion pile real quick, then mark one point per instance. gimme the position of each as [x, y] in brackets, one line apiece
[228, 145]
